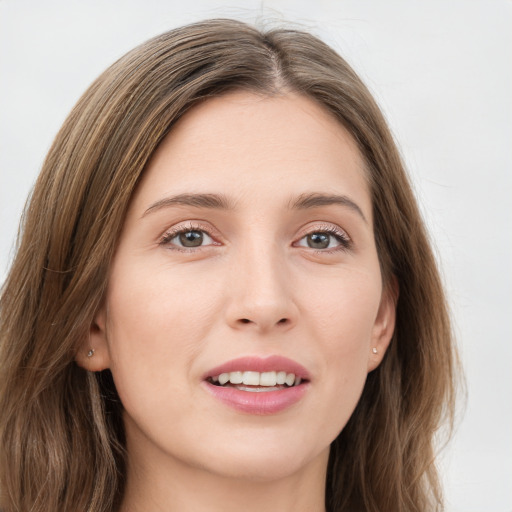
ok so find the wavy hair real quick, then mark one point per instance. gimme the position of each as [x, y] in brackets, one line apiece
[62, 445]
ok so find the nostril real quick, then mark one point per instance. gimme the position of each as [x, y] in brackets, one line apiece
[282, 321]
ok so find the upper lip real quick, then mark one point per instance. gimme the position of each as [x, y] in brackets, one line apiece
[260, 364]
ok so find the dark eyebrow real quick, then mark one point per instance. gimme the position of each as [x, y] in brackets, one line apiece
[212, 201]
[315, 200]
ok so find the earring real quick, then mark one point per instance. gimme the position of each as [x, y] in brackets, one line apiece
[90, 353]
[374, 350]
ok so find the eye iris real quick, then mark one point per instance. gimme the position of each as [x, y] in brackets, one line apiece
[318, 240]
[191, 238]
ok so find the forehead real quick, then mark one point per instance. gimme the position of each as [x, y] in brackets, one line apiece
[242, 144]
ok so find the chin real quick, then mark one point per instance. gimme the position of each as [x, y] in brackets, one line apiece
[263, 459]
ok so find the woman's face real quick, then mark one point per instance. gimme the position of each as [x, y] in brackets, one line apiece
[247, 254]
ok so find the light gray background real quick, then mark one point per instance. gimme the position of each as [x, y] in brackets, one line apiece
[442, 72]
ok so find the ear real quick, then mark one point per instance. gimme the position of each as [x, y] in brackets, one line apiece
[93, 354]
[384, 325]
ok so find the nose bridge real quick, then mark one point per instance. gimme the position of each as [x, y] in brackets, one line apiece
[260, 288]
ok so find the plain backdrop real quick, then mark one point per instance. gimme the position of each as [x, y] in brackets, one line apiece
[442, 73]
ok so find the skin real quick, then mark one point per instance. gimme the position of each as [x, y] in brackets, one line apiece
[254, 288]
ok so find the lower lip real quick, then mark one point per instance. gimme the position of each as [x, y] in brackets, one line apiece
[261, 403]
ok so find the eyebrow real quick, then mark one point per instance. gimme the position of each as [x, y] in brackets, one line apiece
[316, 200]
[221, 202]
[211, 201]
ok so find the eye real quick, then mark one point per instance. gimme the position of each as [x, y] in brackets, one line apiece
[187, 238]
[325, 239]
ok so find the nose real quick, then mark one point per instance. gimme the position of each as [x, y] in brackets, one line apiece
[260, 293]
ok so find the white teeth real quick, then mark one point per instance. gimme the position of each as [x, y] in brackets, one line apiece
[290, 379]
[257, 389]
[268, 379]
[236, 377]
[251, 378]
[264, 379]
[223, 378]
[280, 378]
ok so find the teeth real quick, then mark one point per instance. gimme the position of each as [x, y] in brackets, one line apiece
[268, 379]
[265, 379]
[250, 379]
[280, 378]
[236, 377]
[290, 379]
[257, 389]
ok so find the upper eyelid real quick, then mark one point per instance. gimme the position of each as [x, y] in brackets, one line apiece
[183, 227]
[324, 227]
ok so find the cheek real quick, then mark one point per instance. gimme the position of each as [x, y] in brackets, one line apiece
[342, 318]
[343, 311]
[156, 326]
[158, 303]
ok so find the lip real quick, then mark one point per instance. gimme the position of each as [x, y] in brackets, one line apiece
[259, 403]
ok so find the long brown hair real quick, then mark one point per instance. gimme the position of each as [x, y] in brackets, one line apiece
[61, 433]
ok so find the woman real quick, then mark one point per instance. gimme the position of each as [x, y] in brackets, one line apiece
[223, 296]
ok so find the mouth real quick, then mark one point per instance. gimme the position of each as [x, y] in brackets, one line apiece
[257, 385]
[256, 382]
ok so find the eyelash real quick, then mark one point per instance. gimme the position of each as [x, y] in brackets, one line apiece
[344, 241]
[174, 232]
[340, 236]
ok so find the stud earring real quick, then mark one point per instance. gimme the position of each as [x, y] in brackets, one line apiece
[374, 350]
[90, 353]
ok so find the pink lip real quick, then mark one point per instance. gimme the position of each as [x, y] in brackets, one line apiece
[259, 403]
